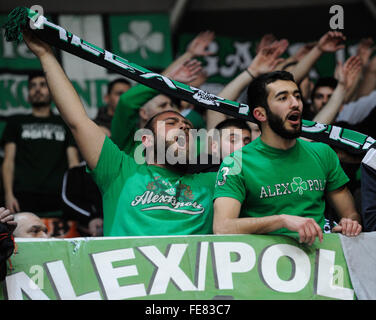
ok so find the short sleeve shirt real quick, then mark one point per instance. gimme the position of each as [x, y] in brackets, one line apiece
[269, 181]
[147, 200]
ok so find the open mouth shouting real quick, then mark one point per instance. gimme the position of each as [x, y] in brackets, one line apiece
[181, 140]
[294, 118]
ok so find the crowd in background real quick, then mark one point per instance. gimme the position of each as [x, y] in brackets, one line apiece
[45, 180]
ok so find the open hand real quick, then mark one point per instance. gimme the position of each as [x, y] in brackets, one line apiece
[331, 41]
[268, 58]
[186, 72]
[199, 45]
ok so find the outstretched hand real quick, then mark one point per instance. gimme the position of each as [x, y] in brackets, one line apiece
[186, 72]
[268, 57]
[37, 46]
[199, 45]
[349, 72]
[365, 49]
[331, 41]
[265, 41]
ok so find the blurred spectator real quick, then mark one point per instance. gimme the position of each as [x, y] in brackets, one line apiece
[29, 225]
[231, 135]
[38, 149]
[114, 90]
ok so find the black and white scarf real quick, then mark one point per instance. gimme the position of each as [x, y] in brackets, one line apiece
[347, 140]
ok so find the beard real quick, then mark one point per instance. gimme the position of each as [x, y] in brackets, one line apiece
[40, 102]
[167, 153]
[277, 125]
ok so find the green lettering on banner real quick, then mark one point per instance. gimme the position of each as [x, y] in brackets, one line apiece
[143, 39]
[179, 268]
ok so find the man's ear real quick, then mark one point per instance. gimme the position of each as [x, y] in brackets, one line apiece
[147, 140]
[143, 114]
[260, 114]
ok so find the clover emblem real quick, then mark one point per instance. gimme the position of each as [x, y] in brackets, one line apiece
[298, 184]
[141, 37]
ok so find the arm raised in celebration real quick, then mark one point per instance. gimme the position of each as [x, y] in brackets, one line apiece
[89, 137]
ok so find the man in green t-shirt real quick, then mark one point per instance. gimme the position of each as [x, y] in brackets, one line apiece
[277, 183]
[152, 198]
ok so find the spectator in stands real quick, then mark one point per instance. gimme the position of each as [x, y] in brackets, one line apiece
[277, 183]
[141, 103]
[29, 225]
[38, 148]
[229, 136]
[155, 198]
[114, 90]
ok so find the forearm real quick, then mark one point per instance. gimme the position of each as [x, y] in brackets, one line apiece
[73, 157]
[329, 112]
[231, 91]
[8, 174]
[367, 84]
[262, 225]
[305, 65]
[343, 202]
[63, 93]
[234, 88]
[179, 61]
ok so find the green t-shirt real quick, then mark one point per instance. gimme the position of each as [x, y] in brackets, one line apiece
[146, 200]
[269, 181]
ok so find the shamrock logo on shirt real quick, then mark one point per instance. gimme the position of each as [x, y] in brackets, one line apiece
[298, 184]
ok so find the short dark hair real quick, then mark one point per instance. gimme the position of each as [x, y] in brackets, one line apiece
[257, 92]
[238, 123]
[118, 80]
[149, 124]
[35, 74]
[324, 82]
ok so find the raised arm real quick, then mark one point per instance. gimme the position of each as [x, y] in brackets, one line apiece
[89, 137]
[265, 61]
[8, 176]
[347, 77]
[329, 42]
[368, 82]
[198, 47]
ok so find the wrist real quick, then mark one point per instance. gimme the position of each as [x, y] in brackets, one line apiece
[318, 49]
[252, 73]
[282, 220]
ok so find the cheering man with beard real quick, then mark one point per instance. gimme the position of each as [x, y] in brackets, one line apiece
[152, 198]
[277, 183]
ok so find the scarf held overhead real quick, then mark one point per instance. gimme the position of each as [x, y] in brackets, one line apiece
[348, 140]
